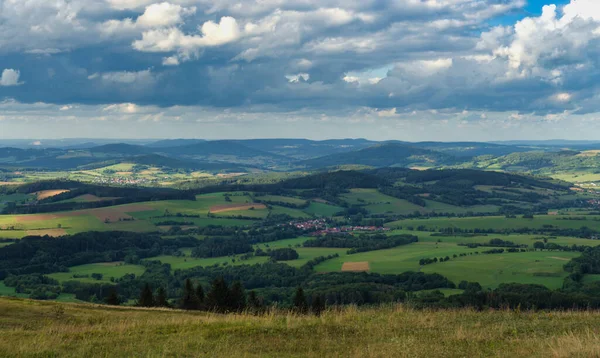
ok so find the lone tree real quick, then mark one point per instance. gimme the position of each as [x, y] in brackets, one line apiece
[146, 297]
[113, 298]
[189, 301]
[218, 298]
[254, 303]
[318, 305]
[237, 297]
[161, 298]
[200, 296]
[300, 301]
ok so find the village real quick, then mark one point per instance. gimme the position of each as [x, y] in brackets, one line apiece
[320, 227]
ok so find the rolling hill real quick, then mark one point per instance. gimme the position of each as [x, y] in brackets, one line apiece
[384, 155]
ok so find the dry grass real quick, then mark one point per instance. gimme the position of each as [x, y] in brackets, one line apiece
[9, 183]
[43, 329]
[49, 193]
[355, 267]
[235, 207]
[49, 232]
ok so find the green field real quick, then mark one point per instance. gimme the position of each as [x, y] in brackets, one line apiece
[396, 260]
[187, 262]
[282, 199]
[378, 203]
[108, 270]
[543, 268]
[499, 222]
[321, 209]
[10, 291]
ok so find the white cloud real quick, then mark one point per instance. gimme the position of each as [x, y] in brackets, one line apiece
[125, 77]
[537, 45]
[155, 16]
[172, 39]
[126, 108]
[171, 61]
[393, 112]
[10, 77]
[562, 97]
[298, 77]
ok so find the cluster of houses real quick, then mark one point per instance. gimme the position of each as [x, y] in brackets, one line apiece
[316, 224]
[123, 181]
[320, 227]
[349, 229]
[594, 202]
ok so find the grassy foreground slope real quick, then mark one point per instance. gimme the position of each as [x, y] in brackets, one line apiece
[45, 329]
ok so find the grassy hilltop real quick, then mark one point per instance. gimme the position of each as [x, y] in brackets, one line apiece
[45, 329]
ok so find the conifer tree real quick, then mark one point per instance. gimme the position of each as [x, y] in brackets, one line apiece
[146, 297]
[113, 298]
[318, 305]
[200, 294]
[254, 303]
[189, 300]
[237, 297]
[218, 296]
[300, 301]
[161, 298]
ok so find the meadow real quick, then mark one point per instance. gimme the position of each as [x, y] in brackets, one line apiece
[500, 222]
[83, 330]
[108, 270]
[540, 267]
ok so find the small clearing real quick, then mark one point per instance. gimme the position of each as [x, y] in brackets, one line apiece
[48, 232]
[235, 207]
[89, 198]
[355, 267]
[44, 194]
[559, 258]
[36, 217]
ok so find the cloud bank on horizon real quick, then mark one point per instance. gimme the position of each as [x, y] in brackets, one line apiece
[383, 69]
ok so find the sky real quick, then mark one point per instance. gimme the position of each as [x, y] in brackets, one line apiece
[414, 70]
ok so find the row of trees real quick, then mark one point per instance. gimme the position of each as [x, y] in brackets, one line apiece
[221, 298]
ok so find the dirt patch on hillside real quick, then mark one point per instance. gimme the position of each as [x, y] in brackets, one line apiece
[235, 207]
[135, 208]
[49, 232]
[111, 214]
[355, 267]
[102, 214]
[89, 198]
[8, 183]
[111, 264]
[44, 194]
[559, 258]
[35, 217]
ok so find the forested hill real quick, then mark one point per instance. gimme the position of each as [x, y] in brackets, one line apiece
[384, 155]
[541, 162]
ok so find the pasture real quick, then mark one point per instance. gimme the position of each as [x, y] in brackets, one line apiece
[540, 267]
[188, 262]
[500, 222]
[48, 329]
[396, 260]
[108, 270]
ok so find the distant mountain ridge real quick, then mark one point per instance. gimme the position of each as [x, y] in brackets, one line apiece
[383, 155]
